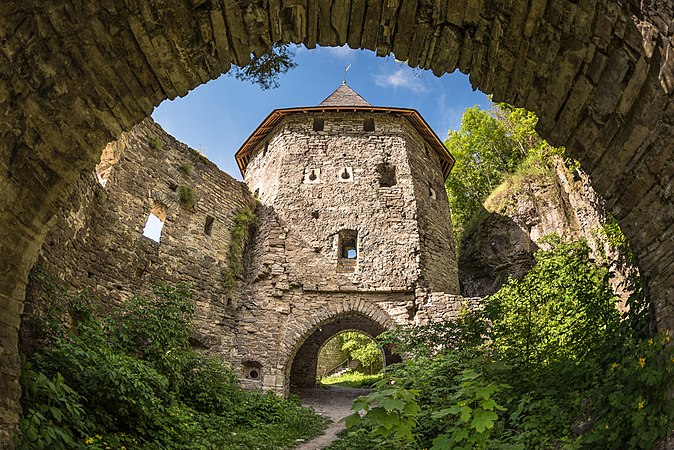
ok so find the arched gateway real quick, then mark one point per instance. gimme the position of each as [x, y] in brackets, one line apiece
[74, 76]
[354, 231]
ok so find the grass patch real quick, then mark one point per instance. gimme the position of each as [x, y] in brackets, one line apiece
[185, 168]
[154, 143]
[352, 379]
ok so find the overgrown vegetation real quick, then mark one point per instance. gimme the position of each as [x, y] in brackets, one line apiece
[364, 349]
[265, 69]
[129, 379]
[548, 363]
[154, 143]
[187, 196]
[185, 168]
[244, 225]
[489, 148]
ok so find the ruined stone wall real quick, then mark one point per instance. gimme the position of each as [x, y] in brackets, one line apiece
[97, 242]
[599, 74]
[440, 306]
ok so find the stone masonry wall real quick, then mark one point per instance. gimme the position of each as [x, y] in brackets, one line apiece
[97, 242]
[438, 255]
[318, 210]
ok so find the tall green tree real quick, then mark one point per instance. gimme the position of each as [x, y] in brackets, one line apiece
[489, 145]
[363, 348]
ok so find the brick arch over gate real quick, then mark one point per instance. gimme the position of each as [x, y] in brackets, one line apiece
[336, 317]
[74, 75]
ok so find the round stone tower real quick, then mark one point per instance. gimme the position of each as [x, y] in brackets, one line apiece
[354, 219]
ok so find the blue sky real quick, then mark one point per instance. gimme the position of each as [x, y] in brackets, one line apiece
[217, 117]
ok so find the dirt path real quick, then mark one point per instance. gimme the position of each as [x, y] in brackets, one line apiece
[333, 404]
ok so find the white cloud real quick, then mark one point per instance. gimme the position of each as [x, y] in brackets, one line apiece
[343, 52]
[400, 78]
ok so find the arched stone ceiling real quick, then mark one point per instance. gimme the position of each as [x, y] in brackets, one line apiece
[75, 74]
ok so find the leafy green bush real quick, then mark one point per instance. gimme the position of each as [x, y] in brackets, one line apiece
[562, 308]
[130, 379]
[547, 364]
[187, 196]
[54, 416]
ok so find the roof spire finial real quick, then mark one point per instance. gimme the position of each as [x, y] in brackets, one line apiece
[345, 69]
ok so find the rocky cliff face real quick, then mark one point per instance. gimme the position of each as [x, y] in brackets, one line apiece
[532, 204]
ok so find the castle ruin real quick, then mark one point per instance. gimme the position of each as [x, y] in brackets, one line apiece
[353, 233]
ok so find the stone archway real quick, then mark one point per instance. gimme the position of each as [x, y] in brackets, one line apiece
[600, 75]
[302, 367]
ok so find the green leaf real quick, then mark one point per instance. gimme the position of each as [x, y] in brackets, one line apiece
[483, 420]
[445, 412]
[351, 420]
[56, 413]
[465, 412]
[391, 404]
[489, 404]
[442, 442]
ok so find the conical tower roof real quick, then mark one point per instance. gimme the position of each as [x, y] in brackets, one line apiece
[344, 96]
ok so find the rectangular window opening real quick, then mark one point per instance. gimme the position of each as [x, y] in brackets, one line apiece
[319, 124]
[387, 175]
[348, 244]
[155, 222]
[348, 251]
[208, 226]
[368, 124]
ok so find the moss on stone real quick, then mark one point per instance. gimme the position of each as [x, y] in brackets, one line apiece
[244, 224]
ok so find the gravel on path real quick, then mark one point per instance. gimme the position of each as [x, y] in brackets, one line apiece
[334, 404]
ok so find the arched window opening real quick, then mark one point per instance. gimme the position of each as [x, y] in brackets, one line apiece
[155, 222]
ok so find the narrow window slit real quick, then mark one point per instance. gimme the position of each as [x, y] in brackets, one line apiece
[208, 225]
